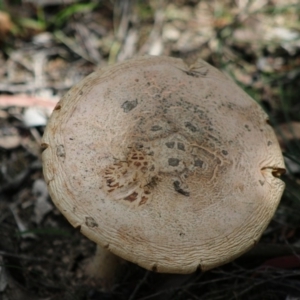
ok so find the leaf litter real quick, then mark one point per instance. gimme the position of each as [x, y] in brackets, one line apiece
[48, 46]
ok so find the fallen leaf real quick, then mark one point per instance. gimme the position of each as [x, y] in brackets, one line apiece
[21, 224]
[6, 24]
[9, 138]
[35, 116]
[41, 205]
[26, 101]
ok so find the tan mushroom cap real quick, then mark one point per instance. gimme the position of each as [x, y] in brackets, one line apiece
[168, 166]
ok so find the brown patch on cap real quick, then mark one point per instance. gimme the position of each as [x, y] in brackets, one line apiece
[132, 197]
[90, 222]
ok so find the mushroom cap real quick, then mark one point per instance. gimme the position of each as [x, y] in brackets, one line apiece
[169, 166]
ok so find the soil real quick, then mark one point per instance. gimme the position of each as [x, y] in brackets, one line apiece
[46, 47]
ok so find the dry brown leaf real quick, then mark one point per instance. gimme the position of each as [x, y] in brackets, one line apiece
[6, 24]
[41, 205]
[9, 138]
[10, 142]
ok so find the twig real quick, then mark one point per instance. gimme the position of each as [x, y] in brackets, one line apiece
[32, 87]
[71, 45]
[22, 256]
[141, 282]
[122, 15]
[87, 43]
[155, 38]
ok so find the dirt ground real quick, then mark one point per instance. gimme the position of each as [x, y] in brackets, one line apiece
[46, 46]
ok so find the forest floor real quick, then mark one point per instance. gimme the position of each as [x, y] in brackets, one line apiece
[46, 46]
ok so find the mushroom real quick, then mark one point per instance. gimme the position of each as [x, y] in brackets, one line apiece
[169, 166]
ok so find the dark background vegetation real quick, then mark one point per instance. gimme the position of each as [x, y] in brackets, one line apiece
[46, 46]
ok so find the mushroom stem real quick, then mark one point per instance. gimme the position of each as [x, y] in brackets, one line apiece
[102, 267]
